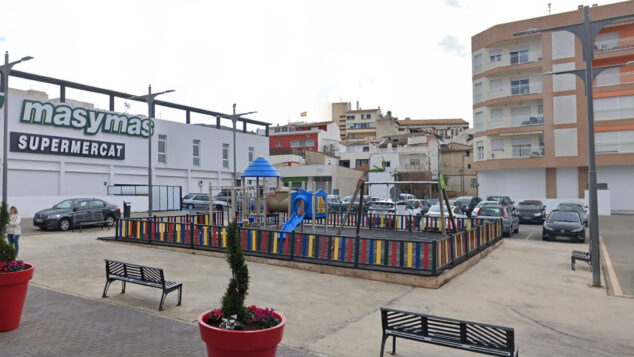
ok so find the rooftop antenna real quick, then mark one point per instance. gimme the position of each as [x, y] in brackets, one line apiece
[548, 8]
[127, 106]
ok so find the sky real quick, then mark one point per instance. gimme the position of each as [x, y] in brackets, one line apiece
[279, 58]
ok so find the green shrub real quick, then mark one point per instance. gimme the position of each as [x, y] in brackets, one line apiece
[233, 300]
[7, 252]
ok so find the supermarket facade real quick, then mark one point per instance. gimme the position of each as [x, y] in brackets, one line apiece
[61, 149]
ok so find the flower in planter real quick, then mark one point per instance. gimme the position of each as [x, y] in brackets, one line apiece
[234, 315]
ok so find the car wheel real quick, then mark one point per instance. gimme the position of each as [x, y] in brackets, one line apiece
[109, 221]
[218, 207]
[64, 224]
[190, 206]
[517, 230]
[582, 239]
[544, 236]
[506, 234]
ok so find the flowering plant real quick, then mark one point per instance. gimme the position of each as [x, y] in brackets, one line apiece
[14, 265]
[234, 315]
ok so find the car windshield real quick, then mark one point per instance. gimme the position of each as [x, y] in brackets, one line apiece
[188, 196]
[571, 207]
[464, 200]
[434, 208]
[486, 203]
[528, 206]
[382, 205]
[492, 211]
[564, 217]
[495, 198]
[65, 204]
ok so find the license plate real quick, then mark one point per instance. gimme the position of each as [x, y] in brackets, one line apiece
[38, 220]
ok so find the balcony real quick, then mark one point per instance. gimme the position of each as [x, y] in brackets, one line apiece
[512, 152]
[513, 59]
[516, 121]
[515, 90]
[614, 45]
[412, 168]
[610, 79]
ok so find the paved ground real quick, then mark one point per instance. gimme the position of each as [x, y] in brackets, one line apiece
[617, 232]
[524, 284]
[57, 324]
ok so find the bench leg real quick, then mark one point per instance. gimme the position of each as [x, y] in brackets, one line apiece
[162, 300]
[105, 288]
[572, 263]
[123, 287]
[393, 345]
[180, 292]
[383, 344]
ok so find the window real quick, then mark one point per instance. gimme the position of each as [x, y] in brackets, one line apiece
[302, 143]
[97, 204]
[225, 156]
[278, 144]
[349, 117]
[480, 150]
[521, 116]
[495, 55]
[368, 116]
[388, 163]
[496, 88]
[615, 141]
[522, 147]
[366, 149]
[162, 148]
[478, 121]
[344, 163]
[361, 162]
[497, 114]
[497, 144]
[251, 153]
[196, 152]
[477, 64]
[520, 86]
[621, 107]
[414, 162]
[477, 92]
[519, 56]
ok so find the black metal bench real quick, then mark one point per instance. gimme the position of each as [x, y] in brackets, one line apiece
[583, 256]
[464, 335]
[142, 275]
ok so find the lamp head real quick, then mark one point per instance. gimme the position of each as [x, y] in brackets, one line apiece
[26, 58]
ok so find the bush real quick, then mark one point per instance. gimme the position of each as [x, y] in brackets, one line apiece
[7, 252]
[233, 300]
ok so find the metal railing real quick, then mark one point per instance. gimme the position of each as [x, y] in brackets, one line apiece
[613, 45]
[513, 60]
[515, 90]
[402, 255]
[515, 152]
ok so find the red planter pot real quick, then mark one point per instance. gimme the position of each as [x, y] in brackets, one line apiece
[13, 288]
[228, 343]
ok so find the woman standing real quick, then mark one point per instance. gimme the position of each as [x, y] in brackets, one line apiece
[14, 231]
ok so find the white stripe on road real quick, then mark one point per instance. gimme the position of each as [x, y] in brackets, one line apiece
[529, 235]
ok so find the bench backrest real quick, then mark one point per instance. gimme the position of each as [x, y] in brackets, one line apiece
[450, 331]
[135, 271]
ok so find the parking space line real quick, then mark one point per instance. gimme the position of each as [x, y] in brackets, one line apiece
[529, 235]
[616, 286]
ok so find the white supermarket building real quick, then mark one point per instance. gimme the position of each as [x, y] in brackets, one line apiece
[61, 149]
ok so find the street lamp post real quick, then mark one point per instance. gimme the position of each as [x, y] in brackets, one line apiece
[149, 98]
[586, 33]
[234, 119]
[6, 70]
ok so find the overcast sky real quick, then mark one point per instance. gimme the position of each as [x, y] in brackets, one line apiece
[279, 58]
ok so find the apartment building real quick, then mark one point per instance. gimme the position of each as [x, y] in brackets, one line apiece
[530, 129]
[442, 128]
[322, 137]
[356, 125]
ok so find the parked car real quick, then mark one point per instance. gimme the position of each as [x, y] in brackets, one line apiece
[382, 207]
[408, 208]
[503, 201]
[454, 202]
[510, 221]
[422, 204]
[564, 224]
[474, 213]
[469, 203]
[355, 205]
[75, 212]
[334, 203]
[574, 206]
[406, 197]
[434, 211]
[531, 211]
[201, 201]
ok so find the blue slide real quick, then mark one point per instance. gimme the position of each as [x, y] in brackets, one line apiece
[295, 220]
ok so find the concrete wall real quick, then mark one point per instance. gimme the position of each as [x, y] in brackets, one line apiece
[519, 184]
[619, 180]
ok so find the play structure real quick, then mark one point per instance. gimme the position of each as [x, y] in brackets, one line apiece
[306, 206]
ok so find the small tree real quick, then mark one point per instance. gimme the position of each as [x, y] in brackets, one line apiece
[7, 252]
[233, 300]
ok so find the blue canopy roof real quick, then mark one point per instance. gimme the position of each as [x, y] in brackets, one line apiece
[261, 168]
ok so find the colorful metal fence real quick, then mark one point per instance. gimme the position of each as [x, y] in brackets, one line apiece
[412, 256]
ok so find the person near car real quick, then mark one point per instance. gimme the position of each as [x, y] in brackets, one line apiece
[14, 229]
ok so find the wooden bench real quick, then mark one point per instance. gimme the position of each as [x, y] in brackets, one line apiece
[583, 256]
[464, 335]
[142, 275]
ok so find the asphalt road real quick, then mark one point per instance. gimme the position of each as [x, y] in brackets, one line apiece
[619, 241]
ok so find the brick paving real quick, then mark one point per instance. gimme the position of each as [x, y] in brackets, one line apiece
[58, 324]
